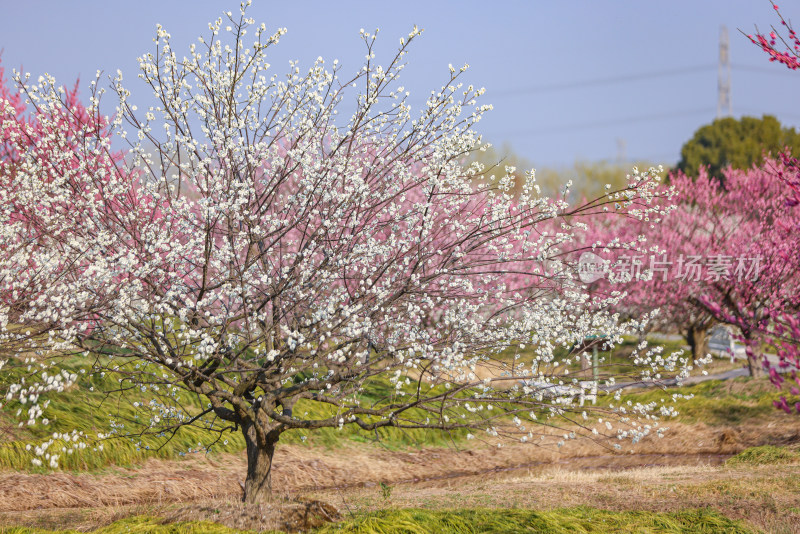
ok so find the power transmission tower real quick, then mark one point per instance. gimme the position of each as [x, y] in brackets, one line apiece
[622, 156]
[724, 75]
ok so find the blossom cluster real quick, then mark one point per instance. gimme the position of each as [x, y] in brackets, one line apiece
[790, 55]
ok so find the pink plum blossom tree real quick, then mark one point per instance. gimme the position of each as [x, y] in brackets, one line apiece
[751, 277]
[725, 254]
[654, 265]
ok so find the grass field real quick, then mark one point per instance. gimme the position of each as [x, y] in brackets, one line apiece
[91, 411]
[727, 465]
[717, 402]
[87, 408]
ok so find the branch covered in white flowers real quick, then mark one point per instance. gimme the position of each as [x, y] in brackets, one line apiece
[262, 253]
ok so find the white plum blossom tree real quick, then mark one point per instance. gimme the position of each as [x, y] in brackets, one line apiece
[261, 252]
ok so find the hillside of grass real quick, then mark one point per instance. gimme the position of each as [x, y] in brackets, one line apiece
[89, 408]
[612, 361]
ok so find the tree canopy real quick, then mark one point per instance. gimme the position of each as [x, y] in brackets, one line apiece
[738, 143]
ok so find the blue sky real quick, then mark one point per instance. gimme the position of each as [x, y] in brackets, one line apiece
[571, 80]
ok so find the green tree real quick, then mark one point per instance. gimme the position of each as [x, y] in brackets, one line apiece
[735, 142]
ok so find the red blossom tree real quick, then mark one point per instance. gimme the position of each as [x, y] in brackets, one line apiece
[782, 49]
[758, 280]
[785, 326]
[726, 254]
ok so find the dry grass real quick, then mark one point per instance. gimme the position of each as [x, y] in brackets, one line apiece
[289, 515]
[765, 497]
[299, 468]
[658, 476]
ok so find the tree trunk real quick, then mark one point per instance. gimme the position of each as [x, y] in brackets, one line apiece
[697, 337]
[586, 364]
[754, 366]
[260, 448]
[753, 350]
[754, 362]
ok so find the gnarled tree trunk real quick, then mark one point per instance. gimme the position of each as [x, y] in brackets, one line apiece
[260, 449]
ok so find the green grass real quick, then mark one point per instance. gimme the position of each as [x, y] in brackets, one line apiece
[614, 362]
[91, 412]
[763, 455]
[714, 402]
[376, 392]
[572, 520]
[416, 521]
[618, 360]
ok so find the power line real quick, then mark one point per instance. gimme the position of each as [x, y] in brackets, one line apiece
[609, 122]
[611, 80]
[765, 70]
[615, 80]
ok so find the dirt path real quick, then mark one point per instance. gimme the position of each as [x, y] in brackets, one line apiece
[299, 468]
